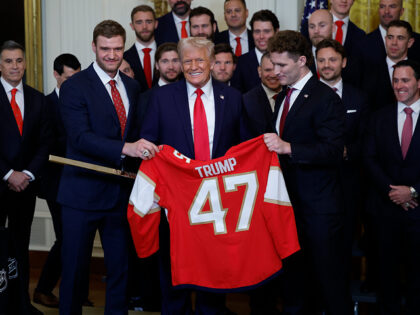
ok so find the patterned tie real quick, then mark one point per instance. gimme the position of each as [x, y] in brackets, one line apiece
[16, 111]
[119, 106]
[339, 33]
[147, 65]
[184, 33]
[201, 132]
[285, 111]
[407, 131]
[238, 49]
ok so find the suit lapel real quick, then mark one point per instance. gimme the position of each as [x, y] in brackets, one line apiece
[138, 69]
[182, 105]
[219, 105]
[132, 103]
[415, 141]
[8, 112]
[268, 113]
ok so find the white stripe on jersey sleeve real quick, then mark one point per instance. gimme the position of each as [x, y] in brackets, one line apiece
[276, 191]
[143, 195]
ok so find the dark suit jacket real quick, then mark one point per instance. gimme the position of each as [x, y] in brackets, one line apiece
[246, 75]
[257, 110]
[94, 135]
[223, 37]
[315, 128]
[384, 161]
[171, 125]
[29, 151]
[133, 58]
[166, 30]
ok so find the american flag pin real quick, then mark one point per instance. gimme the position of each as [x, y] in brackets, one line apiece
[222, 97]
[306, 96]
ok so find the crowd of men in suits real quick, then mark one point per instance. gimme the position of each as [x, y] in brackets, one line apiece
[337, 105]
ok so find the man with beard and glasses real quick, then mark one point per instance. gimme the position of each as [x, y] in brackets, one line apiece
[141, 56]
[202, 23]
[174, 25]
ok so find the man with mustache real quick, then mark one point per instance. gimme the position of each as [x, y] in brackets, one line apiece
[141, 56]
[174, 25]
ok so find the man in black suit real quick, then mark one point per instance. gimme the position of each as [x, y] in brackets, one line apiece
[65, 65]
[309, 118]
[331, 59]
[141, 56]
[237, 35]
[259, 102]
[202, 23]
[24, 141]
[174, 25]
[225, 62]
[392, 158]
[264, 24]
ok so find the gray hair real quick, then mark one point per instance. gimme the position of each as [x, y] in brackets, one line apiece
[197, 42]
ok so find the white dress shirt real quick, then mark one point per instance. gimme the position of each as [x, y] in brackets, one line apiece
[338, 86]
[270, 93]
[208, 101]
[105, 78]
[140, 47]
[57, 91]
[259, 55]
[345, 26]
[21, 104]
[178, 25]
[244, 41]
[298, 86]
[402, 116]
[161, 82]
[383, 32]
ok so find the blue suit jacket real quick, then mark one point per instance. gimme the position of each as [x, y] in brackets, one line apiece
[94, 135]
[168, 119]
[223, 37]
[166, 30]
[258, 111]
[246, 75]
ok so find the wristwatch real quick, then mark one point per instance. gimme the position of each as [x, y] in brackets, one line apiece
[414, 193]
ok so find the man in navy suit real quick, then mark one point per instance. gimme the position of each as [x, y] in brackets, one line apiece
[65, 65]
[98, 109]
[259, 102]
[331, 59]
[203, 122]
[174, 25]
[391, 155]
[141, 56]
[24, 141]
[237, 35]
[309, 119]
[264, 24]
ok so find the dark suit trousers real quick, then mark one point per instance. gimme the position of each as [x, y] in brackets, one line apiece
[19, 208]
[399, 243]
[79, 229]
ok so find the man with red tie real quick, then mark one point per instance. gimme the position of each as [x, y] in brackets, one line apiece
[98, 107]
[203, 121]
[309, 120]
[24, 140]
[141, 56]
[391, 155]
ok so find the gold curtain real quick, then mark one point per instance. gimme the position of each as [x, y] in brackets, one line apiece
[364, 13]
[161, 7]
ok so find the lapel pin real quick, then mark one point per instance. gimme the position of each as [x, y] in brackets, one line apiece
[222, 96]
[306, 96]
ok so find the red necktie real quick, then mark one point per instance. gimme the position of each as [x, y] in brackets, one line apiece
[339, 33]
[147, 66]
[184, 33]
[119, 106]
[201, 132]
[286, 105]
[238, 49]
[275, 96]
[16, 111]
[407, 131]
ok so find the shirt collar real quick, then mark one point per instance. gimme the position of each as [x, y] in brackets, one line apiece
[346, 20]
[389, 62]
[161, 82]
[8, 87]
[383, 32]
[57, 91]
[207, 89]
[259, 55]
[104, 77]
[338, 85]
[243, 35]
[301, 83]
[177, 20]
[140, 46]
[415, 107]
[270, 93]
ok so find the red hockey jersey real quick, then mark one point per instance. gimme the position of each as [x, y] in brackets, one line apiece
[231, 221]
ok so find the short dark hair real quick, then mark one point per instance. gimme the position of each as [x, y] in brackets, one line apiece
[292, 42]
[165, 47]
[404, 24]
[331, 43]
[108, 29]
[225, 48]
[67, 60]
[243, 2]
[142, 8]
[413, 64]
[11, 45]
[202, 11]
[265, 16]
